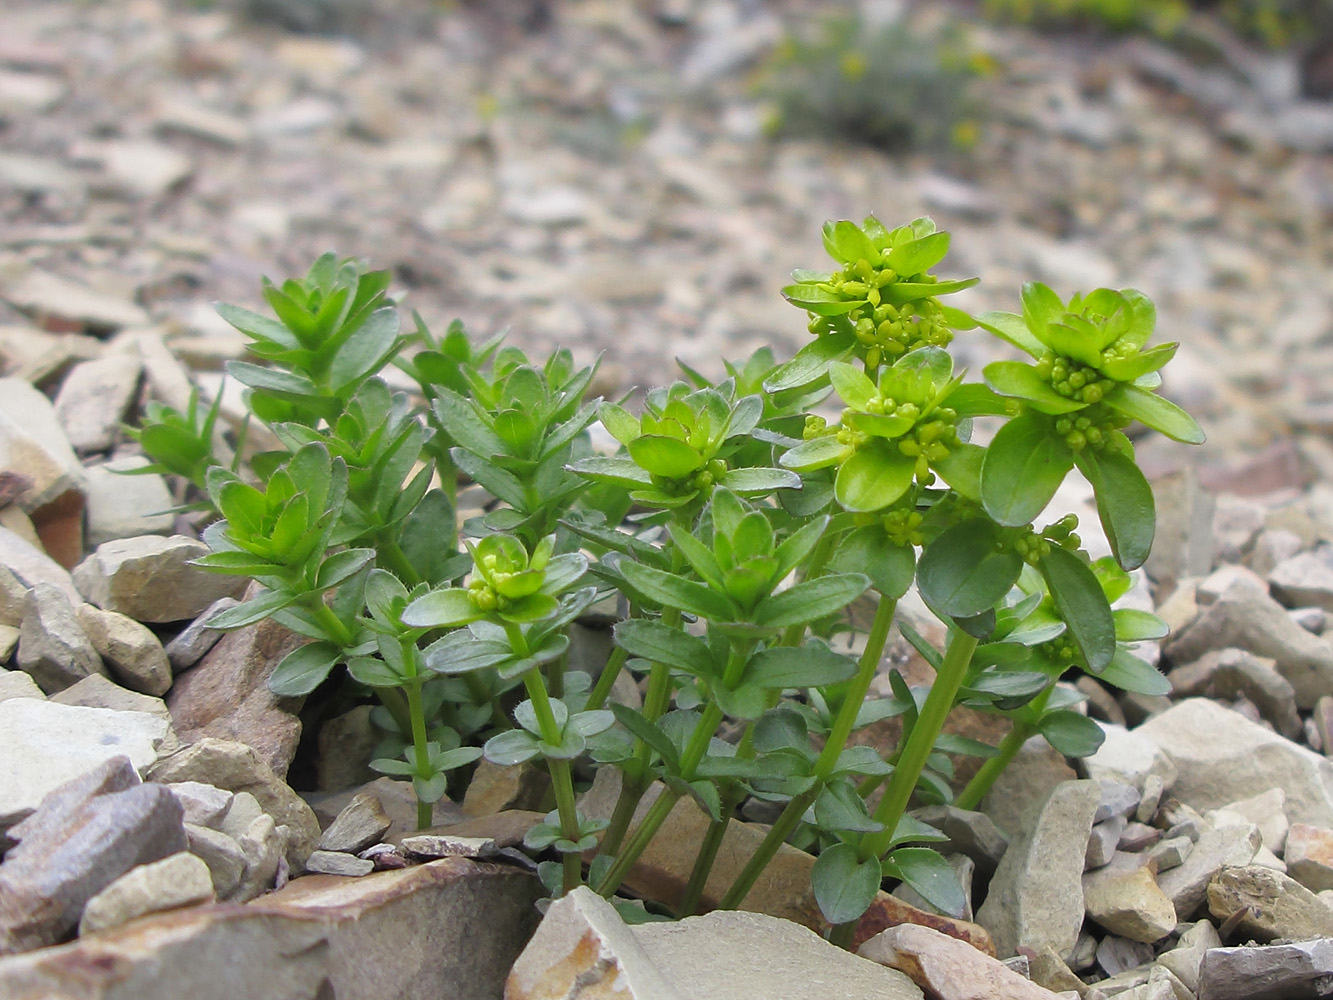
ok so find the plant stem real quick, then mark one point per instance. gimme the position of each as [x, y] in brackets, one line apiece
[970, 797]
[703, 863]
[397, 559]
[332, 625]
[607, 679]
[842, 727]
[643, 835]
[562, 779]
[425, 810]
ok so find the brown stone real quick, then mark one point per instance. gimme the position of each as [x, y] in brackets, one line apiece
[1309, 856]
[948, 968]
[494, 788]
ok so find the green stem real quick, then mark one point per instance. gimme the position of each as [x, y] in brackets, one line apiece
[607, 679]
[703, 863]
[843, 725]
[643, 834]
[562, 778]
[970, 797]
[394, 555]
[819, 558]
[332, 625]
[425, 810]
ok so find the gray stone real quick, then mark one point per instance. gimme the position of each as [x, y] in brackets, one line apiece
[969, 832]
[583, 950]
[98, 691]
[1275, 972]
[149, 578]
[1036, 769]
[222, 855]
[17, 684]
[131, 651]
[347, 745]
[338, 863]
[1305, 580]
[23, 566]
[1183, 545]
[243, 811]
[445, 846]
[1312, 620]
[95, 397]
[1103, 841]
[1150, 798]
[1246, 617]
[192, 642]
[1267, 811]
[362, 823]
[140, 168]
[44, 745]
[33, 442]
[202, 804]
[1274, 905]
[1170, 853]
[177, 880]
[53, 647]
[9, 641]
[46, 296]
[263, 844]
[1036, 896]
[1118, 955]
[1126, 757]
[1251, 760]
[1118, 799]
[1138, 836]
[75, 845]
[1228, 674]
[1186, 885]
[123, 506]
[1183, 960]
[1271, 547]
[1124, 898]
[237, 768]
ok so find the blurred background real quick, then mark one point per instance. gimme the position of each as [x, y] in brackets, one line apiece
[637, 177]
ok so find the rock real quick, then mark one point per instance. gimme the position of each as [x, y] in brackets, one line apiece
[123, 506]
[149, 578]
[495, 788]
[1309, 856]
[1275, 972]
[399, 803]
[1049, 970]
[1170, 853]
[175, 881]
[17, 684]
[33, 442]
[446, 846]
[1118, 955]
[1275, 905]
[221, 854]
[583, 949]
[347, 745]
[1245, 617]
[201, 804]
[1267, 811]
[44, 745]
[505, 829]
[97, 691]
[947, 968]
[263, 844]
[338, 863]
[1184, 544]
[132, 652]
[1271, 547]
[238, 768]
[53, 647]
[362, 823]
[964, 870]
[78, 841]
[226, 695]
[1184, 959]
[970, 833]
[321, 936]
[1187, 884]
[1124, 898]
[1304, 580]
[57, 303]
[1229, 674]
[1251, 760]
[196, 639]
[1035, 771]
[1118, 800]
[23, 565]
[1129, 759]
[1154, 787]
[141, 169]
[1138, 836]
[1036, 896]
[94, 399]
[1103, 841]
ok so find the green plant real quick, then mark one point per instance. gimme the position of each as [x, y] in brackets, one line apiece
[1158, 16]
[892, 86]
[737, 525]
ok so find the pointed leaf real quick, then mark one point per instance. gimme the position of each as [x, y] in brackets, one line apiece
[1074, 735]
[933, 878]
[1013, 378]
[1129, 673]
[1125, 504]
[811, 600]
[811, 665]
[1155, 412]
[844, 886]
[1025, 464]
[1082, 604]
[304, 669]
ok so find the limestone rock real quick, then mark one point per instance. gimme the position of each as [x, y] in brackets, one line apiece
[1309, 856]
[584, 950]
[238, 768]
[130, 650]
[149, 578]
[97, 691]
[1184, 959]
[447, 846]
[1034, 772]
[221, 854]
[49, 298]
[1275, 972]
[53, 647]
[1125, 899]
[338, 863]
[1249, 761]
[123, 506]
[94, 398]
[1275, 905]
[44, 744]
[969, 832]
[947, 968]
[23, 566]
[203, 804]
[495, 788]
[1305, 580]
[177, 880]
[33, 442]
[1267, 811]
[85, 835]
[1036, 896]
[1187, 884]
[1129, 759]
[362, 823]
[17, 684]
[226, 695]
[347, 745]
[263, 844]
[196, 639]
[1246, 617]
[399, 803]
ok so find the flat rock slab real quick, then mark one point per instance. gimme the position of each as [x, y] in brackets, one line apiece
[44, 744]
[948, 968]
[583, 950]
[1274, 972]
[149, 578]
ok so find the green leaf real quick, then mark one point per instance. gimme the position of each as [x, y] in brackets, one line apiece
[1129, 673]
[466, 424]
[912, 830]
[873, 478]
[759, 482]
[391, 765]
[961, 469]
[648, 732]
[652, 640]
[861, 760]
[932, 878]
[846, 242]
[811, 665]
[844, 886]
[1010, 326]
[851, 383]
[462, 652]
[446, 608]
[674, 592]
[1132, 625]
[1025, 464]
[430, 789]
[563, 571]
[373, 672]
[665, 456]
[526, 715]
[1013, 378]
[817, 453]
[1125, 504]
[901, 292]
[810, 364]
[342, 566]
[1074, 735]
[1041, 307]
[962, 573]
[839, 809]
[1079, 599]
[747, 700]
[304, 669]
[1153, 411]
[618, 471]
[819, 300]
[917, 256]
[1138, 365]
[254, 610]
[513, 746]
[619, 423]
[366, 350]
[811, 600]
[868, 550]
[238, 564]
